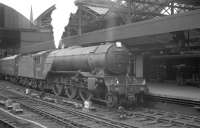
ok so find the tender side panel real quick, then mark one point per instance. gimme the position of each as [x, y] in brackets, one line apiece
[25, 66]
[39, 64]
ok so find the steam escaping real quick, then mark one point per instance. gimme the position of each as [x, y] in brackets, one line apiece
[60, 17]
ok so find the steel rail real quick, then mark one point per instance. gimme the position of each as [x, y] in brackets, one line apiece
[148, 117]
[31, 102]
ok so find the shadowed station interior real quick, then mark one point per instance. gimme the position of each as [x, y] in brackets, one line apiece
[161, 38]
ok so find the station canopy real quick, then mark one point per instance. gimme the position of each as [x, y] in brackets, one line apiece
[135, 22]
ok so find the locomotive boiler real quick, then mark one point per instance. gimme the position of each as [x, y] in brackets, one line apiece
[105, 59]
[100, 72]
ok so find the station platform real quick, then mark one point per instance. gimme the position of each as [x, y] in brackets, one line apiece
[170, 90]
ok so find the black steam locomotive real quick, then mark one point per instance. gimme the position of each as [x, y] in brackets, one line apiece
[101, 72]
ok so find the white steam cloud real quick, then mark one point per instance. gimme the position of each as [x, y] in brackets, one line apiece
[60, 17]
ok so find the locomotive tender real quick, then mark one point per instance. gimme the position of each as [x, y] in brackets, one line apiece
[100, 72]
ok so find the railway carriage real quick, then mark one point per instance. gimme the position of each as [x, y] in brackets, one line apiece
[9, 67]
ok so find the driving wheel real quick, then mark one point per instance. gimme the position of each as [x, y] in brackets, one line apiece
[58, 89]
[71, 91]
[33, 84]
[111, 100]
[85, 94]
[40, 86]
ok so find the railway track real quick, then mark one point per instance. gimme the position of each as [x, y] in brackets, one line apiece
[4, 124]
[8, 122]
[144, 118]
[70, 117]
[157, 118]
[13, 122]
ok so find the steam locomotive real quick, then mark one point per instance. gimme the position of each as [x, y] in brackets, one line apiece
[101, 72]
